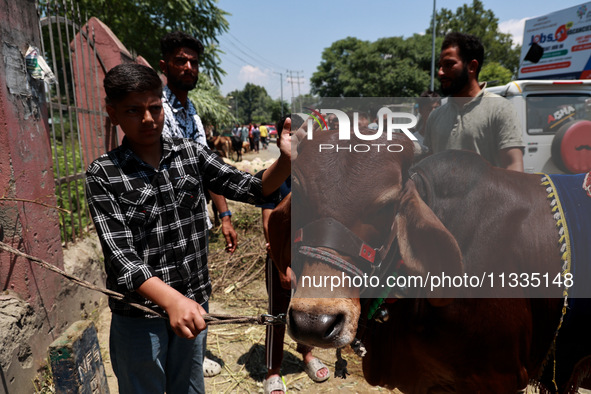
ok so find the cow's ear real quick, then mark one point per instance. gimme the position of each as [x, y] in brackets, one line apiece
[280, 238]
[426, 246]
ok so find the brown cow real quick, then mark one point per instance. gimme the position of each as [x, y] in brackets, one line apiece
[220, 144]
[454, 213]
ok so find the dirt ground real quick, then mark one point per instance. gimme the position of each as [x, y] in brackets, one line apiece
[239, 289]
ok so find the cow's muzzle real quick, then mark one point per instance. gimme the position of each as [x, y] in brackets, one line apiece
[318, 329]
[324, 323]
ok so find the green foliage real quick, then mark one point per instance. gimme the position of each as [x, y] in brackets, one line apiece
[278, 109]
[495, 74]
[338, 71]
[475, 19]
[253, 104]
[211, 106]
[70, 194]
[140, 25]
[248, 100]
[388, 67]
[401, 67]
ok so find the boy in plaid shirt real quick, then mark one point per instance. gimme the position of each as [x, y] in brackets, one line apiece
[144, 197]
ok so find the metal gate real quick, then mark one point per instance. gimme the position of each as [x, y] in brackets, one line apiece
[77, 119]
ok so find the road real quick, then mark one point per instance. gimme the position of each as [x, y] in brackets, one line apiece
[272, 152]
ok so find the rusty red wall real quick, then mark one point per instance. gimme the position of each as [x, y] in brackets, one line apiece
[38, 305]
[26, 174]
[26, 171]
[25, 162]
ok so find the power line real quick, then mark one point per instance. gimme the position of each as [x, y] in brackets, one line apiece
[233, 62]
[295, 80]
[242, 56]
[250, 64]
[239, 58]
[275, 65]
[260, 62]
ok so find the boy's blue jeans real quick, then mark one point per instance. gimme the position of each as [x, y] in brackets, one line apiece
[148, 357]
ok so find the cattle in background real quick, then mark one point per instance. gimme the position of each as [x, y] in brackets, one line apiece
[246, 146]
[220, 144]
[454, 213]
[237, 147]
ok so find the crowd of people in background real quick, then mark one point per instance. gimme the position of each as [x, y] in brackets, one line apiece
[256, 136]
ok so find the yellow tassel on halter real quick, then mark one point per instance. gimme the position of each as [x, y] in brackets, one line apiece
[564, 241]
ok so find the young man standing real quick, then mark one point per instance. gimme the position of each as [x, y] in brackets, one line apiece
[180, 65]
[145, 201]
[473, 118]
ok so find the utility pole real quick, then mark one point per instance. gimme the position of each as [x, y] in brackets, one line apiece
[281, 80]
[290, 80]
[235, 99]
[433, 50]
[298, 81]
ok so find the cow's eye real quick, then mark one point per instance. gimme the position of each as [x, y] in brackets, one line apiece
[382, 216]
[386, 210]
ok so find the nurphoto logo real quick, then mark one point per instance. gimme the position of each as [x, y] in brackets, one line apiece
[387, 121]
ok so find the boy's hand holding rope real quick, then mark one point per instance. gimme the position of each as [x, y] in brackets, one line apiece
[210, 318]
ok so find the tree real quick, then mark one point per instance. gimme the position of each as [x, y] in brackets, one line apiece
[474, 19]
[140, 25]
[278, 109]
[253, 104]
[211, 106]
[247, 101]
[399, 67]
[388, 67]
[494, 74]
[337, 73]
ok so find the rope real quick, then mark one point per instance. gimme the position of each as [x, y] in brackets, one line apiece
[210, 319]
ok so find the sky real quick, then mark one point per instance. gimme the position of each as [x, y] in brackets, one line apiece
[270, 41]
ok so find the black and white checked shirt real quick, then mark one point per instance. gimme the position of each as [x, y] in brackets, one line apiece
[153, 222]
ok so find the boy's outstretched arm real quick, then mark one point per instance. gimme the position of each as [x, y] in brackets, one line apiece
[278, 172]
[185, 314]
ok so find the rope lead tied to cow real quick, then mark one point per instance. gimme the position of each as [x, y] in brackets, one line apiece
[270, 320]
[264, 319]
[210, 318]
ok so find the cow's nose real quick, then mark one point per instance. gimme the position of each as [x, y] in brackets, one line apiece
[315, 329]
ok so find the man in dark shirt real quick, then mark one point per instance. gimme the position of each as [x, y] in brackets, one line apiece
[145, 200]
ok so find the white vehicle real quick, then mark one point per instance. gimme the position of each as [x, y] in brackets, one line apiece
[555, 118]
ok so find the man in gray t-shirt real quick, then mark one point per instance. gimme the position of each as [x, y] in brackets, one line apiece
[473, 118]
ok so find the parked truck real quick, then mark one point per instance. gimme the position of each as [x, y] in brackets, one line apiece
[555, 117]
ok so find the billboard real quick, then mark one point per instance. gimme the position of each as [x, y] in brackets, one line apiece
[557, 45]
